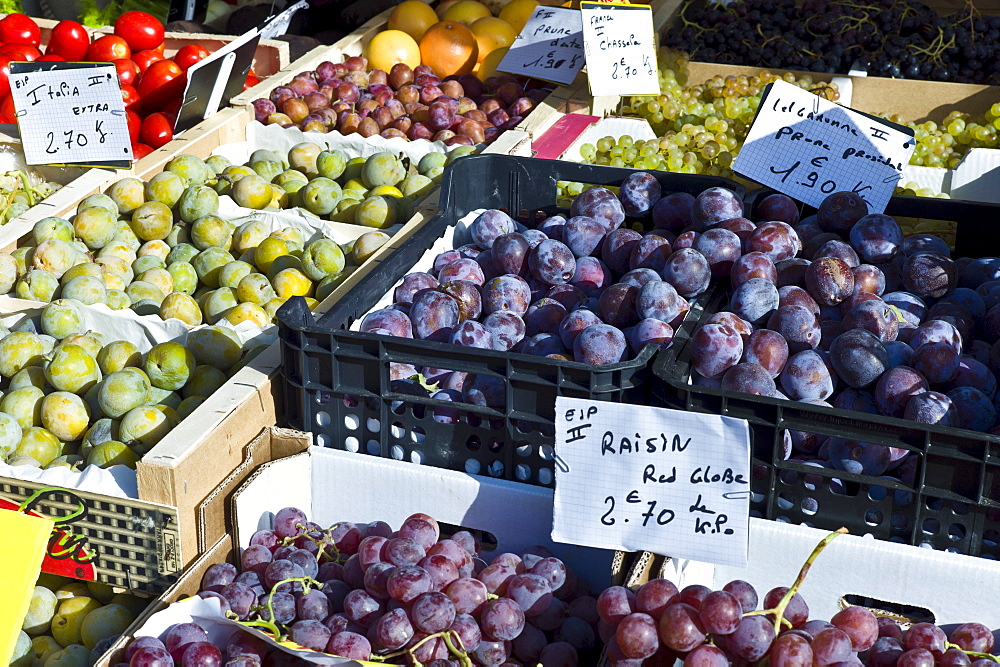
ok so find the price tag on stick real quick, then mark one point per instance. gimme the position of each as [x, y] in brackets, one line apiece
[71, 114]
[212, 82]
[620, 49]
[637, 478]
[278, 26]
[808, 147]
[550, 47]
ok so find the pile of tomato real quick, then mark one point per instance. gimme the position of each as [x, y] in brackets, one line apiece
[152, 84]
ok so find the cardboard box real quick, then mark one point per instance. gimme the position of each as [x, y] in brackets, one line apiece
[915, 583]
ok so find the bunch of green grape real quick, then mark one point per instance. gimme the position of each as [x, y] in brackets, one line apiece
[19, 191]
[944, 144]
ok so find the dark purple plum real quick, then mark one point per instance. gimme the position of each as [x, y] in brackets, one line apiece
[858, 457]
[778, 207]
[972, 409]
[591, 275]
[583, 235]
[552, 227]
[806, 375]
[910, 306]
[389, 322]
[877, 238]
[792, 295]
[570, 297]
[974, 373]
[510, 254]
[673, 212]
[574, 323]
[739, 226]
[733, 321]
[899, 353]
[798, 325]
[542, 345]
[792, 271]
[715, 205]
[411, 284]
[929, 407]
[650, 332]
[721, 248]
[490, 225]
[639, 277]
[749, 378]
[715, 348]
[688, 271]
[874, 316]
[507, 328]
[506, 292]
[472, 334]
[753, 265]
[858, 357]
[651, 252]
[840, 211]
[658, 300]
[840, 250]
[868, 278]
[552, 262]
[617, 248]
[686, 239]
[754, 300]
[895, 389]
[936, 331]
[468, 296]
[807, 228]
[617, 305]
[829, 280]
[639, 193]
[938, 362]
[469, 250]
[485, 390]
[490, 268]
[462, 269]
[600, 204]
[600, 345]
[544, 316]
[928, 274]
[263, 108]
[916, 243]
[857, 400]
[777, 240]
[767, 348]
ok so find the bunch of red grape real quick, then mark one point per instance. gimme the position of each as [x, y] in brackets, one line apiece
[658, 625]
[364, 591]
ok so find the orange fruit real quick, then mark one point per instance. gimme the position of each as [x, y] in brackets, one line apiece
[390, 47]
[412, 17]
[517, 13]
[488, 67]
[449, 48]
[443, 6]
[466, 12]
[491, 34]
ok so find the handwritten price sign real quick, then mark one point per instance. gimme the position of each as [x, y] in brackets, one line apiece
[808, 147]
[70, 115]
[620, 49]
[649, 479]
[550, 47]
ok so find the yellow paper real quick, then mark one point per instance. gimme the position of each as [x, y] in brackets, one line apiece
[25, 540]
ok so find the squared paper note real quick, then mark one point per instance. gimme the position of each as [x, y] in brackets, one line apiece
[807, 148]
[620, 48]
[550, 47]
[636, 478]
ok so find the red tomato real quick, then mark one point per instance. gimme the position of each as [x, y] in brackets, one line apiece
[128, 71]
[5, 61]
[19, 29]
[22, 51]
[159, 85]
[131, 98]
[134, 123]
[108, 48]
[143, 59]
[140, 151]
[7, 111]
[189, 55]
[51, 58]
[70, 40]
[250, 82]
[157, 130]
[141, 30]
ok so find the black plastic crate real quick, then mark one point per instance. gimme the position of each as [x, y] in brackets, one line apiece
[954, 502]
[338, 383]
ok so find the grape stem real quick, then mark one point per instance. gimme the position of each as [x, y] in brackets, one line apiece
[973, 654]
[451, 640]
[321, 544]
[779, 610]
[271, 625]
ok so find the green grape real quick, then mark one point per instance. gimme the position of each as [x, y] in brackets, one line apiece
[604, 144]
[630, 154]
[588, 152]
[625, 141]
